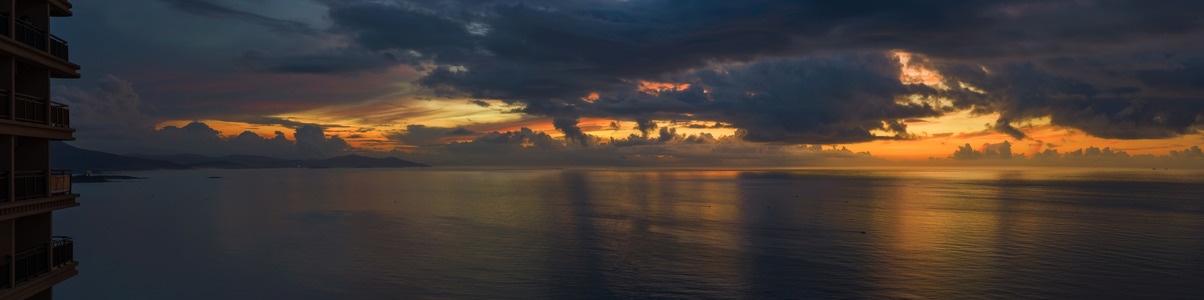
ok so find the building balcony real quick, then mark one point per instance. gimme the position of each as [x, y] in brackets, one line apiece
[60, 8]
[31, 185]
[32, 42]
[29, 108]
[60, 115]
[41, 184]
[34, 109]
[30, 270]
[60, 182]
[38, 38]
[34, 192]
[30, 263]
[38, 116]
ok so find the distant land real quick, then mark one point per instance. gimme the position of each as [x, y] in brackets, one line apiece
[64, 156]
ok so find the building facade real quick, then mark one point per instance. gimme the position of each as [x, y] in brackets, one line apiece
[32, 258]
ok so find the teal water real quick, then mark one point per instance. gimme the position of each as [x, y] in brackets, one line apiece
[637, 234]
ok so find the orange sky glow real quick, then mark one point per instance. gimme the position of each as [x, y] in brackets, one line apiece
[368, 125]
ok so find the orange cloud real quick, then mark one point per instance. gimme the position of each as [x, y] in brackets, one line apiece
[591, 97]
[656, 88]
[916, 74]
[231, 129]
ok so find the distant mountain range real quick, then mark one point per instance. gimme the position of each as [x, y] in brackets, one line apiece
[64, 156]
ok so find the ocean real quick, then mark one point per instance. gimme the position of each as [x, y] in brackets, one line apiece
[639, 234]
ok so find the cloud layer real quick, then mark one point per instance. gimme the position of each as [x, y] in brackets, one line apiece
[115, 120]
[781, 72]
[797, 71]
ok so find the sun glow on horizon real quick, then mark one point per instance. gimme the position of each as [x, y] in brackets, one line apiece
[228, 129]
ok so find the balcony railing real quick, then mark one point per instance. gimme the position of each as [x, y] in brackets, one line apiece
[3, 187]
[30, 185]
[60, 182]
[60, 115]
[58, 47]
[31, 35]
[4, 17]
[62, 251]
[31, 263]
[29, 108]
[6, 276]
[36, 184]
[4, 105]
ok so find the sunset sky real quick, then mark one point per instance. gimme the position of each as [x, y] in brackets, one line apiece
[450, 78]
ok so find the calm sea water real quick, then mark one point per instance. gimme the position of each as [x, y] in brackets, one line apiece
[622, 234]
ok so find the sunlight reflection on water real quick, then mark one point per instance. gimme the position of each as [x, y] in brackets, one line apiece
[532, 234]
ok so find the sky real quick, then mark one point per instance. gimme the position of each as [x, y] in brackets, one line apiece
[631, 81]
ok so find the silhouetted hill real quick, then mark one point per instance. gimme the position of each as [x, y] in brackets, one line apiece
[224, 162]
[253, 161]
[356, 161]
[64, 156]
[183, 159]
[219, 164]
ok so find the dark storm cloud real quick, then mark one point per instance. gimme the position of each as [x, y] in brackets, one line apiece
[1001, 150]
[1194, 152]
[334, 62]
[667, 135]
[645, 126]
[378, 26]
[109, 109]
[1000, 154]
[526, 147]
[259, 120]
[1104, 107]
[199, 138]
[571, 131]
[422, 135]
[828, 99]
[113, 118]
[800, 71]
[809, 100]
[480, 103]
[312, 142]
[211, 8]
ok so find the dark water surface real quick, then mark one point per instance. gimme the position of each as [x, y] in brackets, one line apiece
[618, 234]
